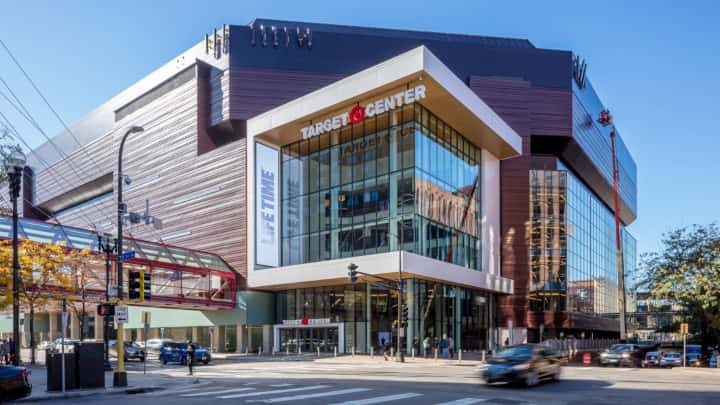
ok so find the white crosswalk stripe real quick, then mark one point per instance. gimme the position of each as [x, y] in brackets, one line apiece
[315, 395]
[378, 400]
[258, 393]
[201, 394]
[465, 401]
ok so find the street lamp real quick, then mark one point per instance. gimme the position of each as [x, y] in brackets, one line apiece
[14, 165]
[120, 377]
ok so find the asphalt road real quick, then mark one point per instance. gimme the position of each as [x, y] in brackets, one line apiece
[349, 382]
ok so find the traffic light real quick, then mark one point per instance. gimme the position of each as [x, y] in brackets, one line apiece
[145, 286]
[352, 272]
[134, 285]
[405, 316]
[106, 309]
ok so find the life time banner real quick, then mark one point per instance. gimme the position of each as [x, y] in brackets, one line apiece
[267, 206]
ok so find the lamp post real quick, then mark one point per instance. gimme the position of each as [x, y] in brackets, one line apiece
[14, 165]
[605, 119]
[120, 377]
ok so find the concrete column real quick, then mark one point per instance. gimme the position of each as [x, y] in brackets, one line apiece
[54, 328]
[368, 317]
[267, 338]
[98, 327]
[74, 326]
[194, 334]
[240, 339]
[411, 303]
[215, 339]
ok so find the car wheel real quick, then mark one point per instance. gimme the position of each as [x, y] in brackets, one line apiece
[164, 362]
[532, 378]
[183, 361]
[556, 374]
[206, 362]
[142, 359]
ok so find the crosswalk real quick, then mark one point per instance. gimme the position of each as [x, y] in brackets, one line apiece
[270, 392]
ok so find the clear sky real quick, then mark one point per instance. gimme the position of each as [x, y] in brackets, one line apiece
[654, 63]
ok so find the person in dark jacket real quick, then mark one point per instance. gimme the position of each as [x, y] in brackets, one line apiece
[190, 356]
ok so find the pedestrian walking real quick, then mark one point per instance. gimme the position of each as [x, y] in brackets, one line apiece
[190, 356]
[426, 346]
[384, 348]
[436, 345]
[451, 347]
[444, 346]
[507, 342]
[11, 349]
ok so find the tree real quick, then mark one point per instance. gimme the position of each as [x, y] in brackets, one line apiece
[82, 280]
[41, 278]
[687, 271]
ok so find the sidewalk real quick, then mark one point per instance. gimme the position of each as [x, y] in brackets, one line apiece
[137, 382]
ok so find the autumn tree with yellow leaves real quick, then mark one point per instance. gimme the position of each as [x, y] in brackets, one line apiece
[42, 278]
[84, 280]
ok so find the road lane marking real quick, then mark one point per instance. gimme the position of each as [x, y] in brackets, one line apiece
[281, 385]
[315, 395]
[377, 400]
[253, 394]
[200, 394]
[465, 401]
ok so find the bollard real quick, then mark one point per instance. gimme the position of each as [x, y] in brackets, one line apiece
[353, 351]
[436, 350]
[412, 353]
[259, 350]
[287, 350]
[299, 350]
[392, 352]
[482, 356]
[459, 355]
[318, 351]
[247, 350]
[334, 351]
[372, 352]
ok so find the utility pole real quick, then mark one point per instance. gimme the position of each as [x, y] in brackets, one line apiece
[14, 165]
[120, 377]
[605, 120]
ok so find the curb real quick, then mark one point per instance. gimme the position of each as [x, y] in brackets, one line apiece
[88, 393]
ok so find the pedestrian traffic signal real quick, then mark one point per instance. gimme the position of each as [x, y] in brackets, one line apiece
[145, 293]
[134, 285]
[352, 272]
[106, 309]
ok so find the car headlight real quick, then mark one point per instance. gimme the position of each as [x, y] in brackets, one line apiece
[603, 355]
[626, 355]
[521, 367]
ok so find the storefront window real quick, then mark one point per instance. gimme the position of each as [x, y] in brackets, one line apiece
[403, 179]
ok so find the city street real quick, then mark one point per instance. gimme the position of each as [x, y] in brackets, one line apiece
[363, 381]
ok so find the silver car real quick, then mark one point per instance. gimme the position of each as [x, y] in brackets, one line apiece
[671, 359]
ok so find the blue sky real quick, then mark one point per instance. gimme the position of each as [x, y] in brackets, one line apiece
[654, 63]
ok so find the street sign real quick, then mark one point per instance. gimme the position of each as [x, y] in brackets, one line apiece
[112, 291]
[211, 329]
[128, 255]
[121, 314]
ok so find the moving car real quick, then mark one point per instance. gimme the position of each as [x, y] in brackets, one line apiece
[132, 350]
[176, 352]
[652, 359]
[14, 383]
[694, 360]
[671, 359]
[622, 355]
[154, 345]
[526, 364]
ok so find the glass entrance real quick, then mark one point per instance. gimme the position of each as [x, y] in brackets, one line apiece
[308, 340]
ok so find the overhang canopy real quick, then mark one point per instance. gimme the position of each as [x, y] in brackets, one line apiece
[446, 96]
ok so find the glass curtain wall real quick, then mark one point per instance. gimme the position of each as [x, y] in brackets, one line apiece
[572, 246]
[401, 179]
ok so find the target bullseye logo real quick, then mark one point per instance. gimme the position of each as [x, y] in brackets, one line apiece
[357, 114]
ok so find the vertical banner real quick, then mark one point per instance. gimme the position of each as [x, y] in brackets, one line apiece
[267, 206]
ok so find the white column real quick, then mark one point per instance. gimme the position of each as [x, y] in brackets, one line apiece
[240, 338]
[74, 326]
[53, 325]
[267, 338]
[215, 338]
[98, 327]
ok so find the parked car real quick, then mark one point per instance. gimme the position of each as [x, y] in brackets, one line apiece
[132, 350]
[69, 345]
[652, 359]
[46, 345]
[622, 355]
[14, 383]
[526, 364]
[154, 345]
[671, 359]
[176, 352]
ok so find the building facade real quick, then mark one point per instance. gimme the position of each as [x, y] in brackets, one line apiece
[471, 166]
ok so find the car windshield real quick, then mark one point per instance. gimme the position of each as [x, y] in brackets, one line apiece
[672, 355]
[620, 348]
[515, 353]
